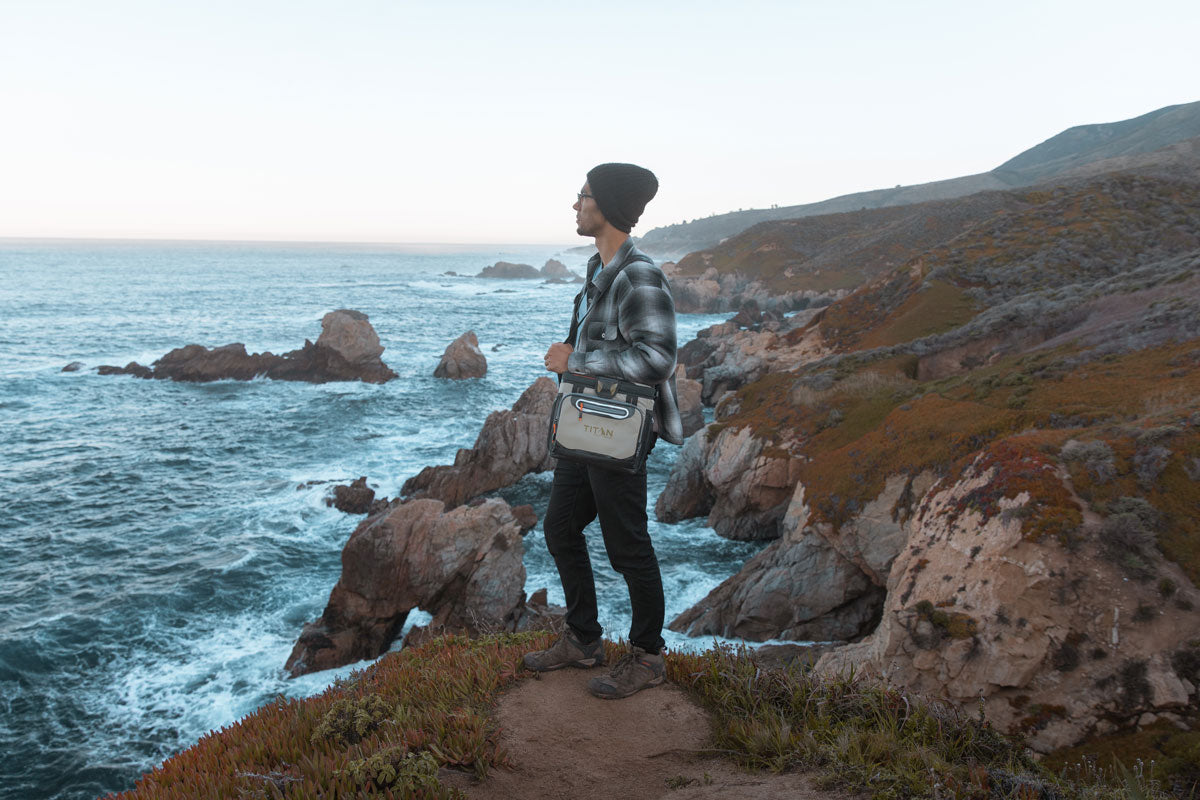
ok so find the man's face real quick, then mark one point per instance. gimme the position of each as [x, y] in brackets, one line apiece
[588, 219]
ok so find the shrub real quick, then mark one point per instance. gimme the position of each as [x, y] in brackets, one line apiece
[1147, 514]
[1149, 463]
[1096, 456]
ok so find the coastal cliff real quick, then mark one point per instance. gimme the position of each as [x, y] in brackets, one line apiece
[978, 465]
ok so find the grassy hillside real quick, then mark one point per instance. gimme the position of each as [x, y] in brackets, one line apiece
[1124, 219]
[1148, 142]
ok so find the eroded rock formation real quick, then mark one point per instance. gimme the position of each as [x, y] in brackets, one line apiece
[462, 565]
[348, 349]
[511, 444]
[1057, 642]
[462, 359]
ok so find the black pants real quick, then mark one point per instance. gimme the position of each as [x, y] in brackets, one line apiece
[579, 494]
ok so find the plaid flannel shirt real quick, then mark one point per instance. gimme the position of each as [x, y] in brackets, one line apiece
[628, 331]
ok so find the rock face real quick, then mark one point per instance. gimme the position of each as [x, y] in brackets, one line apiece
[347, 350]
[1053, 640]
[462, 359]
[713, 292]
[463, 566]
[741, 484]
[511, 444]
[727, 356]
[509, 271]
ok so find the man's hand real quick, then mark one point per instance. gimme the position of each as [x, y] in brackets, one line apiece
[556, 357]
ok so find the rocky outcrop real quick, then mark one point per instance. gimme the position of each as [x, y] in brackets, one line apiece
[74, 366]
[815, 582]
[463, 566]
[729, 355]
[352, 498]
[462, 359]
[348, 349]
[713, 292]
[511, 444]
[509, 271]
[1057, 642]
[554, 268]
[732, 476]
[687, 493]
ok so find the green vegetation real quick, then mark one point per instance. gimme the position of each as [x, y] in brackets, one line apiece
[389, 730]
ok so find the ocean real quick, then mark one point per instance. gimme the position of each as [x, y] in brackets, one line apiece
[158, 556]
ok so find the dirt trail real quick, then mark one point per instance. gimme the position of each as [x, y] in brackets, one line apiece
[564, 743]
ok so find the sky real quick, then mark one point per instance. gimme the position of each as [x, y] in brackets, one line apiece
[474, 122]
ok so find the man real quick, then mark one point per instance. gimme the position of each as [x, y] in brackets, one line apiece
[623, 327]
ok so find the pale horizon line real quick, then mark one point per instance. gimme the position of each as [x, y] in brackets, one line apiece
[199, 240]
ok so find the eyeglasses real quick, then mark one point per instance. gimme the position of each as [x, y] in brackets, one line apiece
[580, 195]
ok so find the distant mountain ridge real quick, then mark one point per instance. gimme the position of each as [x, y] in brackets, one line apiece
[1068, 153]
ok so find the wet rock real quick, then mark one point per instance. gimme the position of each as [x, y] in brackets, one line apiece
[74, 366]
[462, 359]
[510, 445]
[463, 565]
[132, 368]
[353, 498]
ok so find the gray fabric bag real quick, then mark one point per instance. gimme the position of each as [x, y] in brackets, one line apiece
[604, 422]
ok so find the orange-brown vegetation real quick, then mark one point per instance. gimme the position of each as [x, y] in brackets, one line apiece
[1019, 413]
[384, 734]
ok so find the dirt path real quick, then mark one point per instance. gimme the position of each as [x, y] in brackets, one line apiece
[564, 743]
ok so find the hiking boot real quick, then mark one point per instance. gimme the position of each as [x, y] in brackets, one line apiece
[635, 670]
[566, 652]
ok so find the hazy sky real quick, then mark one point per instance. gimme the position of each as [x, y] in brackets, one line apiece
[476, 121]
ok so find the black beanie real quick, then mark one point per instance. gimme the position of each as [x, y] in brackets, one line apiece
[622, 191]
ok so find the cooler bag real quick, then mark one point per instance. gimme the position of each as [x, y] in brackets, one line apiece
[602, 421]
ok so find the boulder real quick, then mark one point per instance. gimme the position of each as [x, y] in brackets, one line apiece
[347, 350]
[510, 445]
[462, 565]
[462, 359]
[353, 498]
[349, 334]
[509, 271]
[74, 366]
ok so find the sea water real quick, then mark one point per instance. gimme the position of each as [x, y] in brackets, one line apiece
[164, 543]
